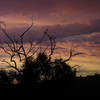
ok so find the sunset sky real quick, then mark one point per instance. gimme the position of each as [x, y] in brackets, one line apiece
[73, 22]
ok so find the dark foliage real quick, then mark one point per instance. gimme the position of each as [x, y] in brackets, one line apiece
[3, 78]
[41, 71]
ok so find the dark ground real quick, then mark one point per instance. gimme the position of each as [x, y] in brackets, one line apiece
[82, 89]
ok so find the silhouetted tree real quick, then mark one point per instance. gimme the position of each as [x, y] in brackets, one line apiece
[37, 70]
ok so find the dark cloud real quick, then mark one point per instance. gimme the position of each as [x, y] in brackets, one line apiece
[58, 31]
[50, 12]
[74, 29]
[48, 6]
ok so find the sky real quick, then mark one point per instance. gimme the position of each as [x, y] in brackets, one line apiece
[61, 17]
[74, 22]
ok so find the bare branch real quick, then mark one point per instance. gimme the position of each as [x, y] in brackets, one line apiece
[71, 55]
[21, 36]
[52, 44]
[5, 50]
[5, 62]
[9, 38]
[9, 45]
[35, 52]
[31, 47]
[45, 49]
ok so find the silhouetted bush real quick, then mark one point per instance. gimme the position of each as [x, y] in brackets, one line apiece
[42, 71]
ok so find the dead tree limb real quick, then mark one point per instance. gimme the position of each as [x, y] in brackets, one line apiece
[52, 43]
[72, 55]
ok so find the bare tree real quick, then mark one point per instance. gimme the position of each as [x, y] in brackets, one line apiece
[16, 47]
